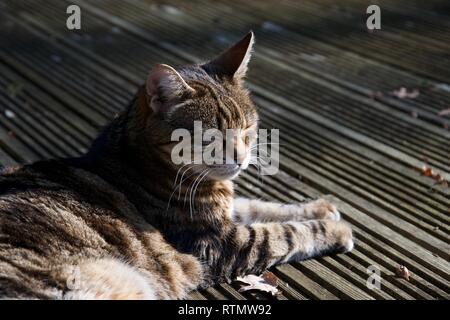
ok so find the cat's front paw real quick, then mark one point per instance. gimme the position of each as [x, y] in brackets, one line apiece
[322, 209]
[342, 236]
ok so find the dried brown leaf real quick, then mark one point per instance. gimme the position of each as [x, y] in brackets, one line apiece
[375, 94]
[403, 93]
[438, 178]
[444, 112]
[270, 278]
[402, 272]
[258, 283]
[427, 171]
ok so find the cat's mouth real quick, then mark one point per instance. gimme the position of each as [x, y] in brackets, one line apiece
[224, 171]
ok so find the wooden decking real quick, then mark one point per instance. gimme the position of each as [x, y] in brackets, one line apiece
[317, 74]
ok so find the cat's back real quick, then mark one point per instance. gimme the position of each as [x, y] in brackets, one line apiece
[51, 215]
[57, 219]
[50, 201]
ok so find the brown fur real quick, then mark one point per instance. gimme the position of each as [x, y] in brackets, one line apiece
[107, 226]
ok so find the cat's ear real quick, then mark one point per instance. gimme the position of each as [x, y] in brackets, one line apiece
[233, 62]
[165, 86]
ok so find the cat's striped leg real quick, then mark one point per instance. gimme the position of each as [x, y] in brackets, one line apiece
[250, 210]
[261, 245]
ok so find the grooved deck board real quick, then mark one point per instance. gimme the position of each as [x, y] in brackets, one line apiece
[316, 74]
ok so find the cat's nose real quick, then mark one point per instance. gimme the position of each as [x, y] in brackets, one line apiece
[239, 158]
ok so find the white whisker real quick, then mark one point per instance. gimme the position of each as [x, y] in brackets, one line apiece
[196, 187]
[191, 187]
[176, 177]
[179, 185]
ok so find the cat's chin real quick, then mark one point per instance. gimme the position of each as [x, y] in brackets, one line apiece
[222, 177]
[224, 172]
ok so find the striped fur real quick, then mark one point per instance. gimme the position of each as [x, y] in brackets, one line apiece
[112, 224]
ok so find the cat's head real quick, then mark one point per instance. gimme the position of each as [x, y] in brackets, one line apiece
[212, 95]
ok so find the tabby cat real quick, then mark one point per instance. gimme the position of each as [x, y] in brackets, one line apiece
[101, 226]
